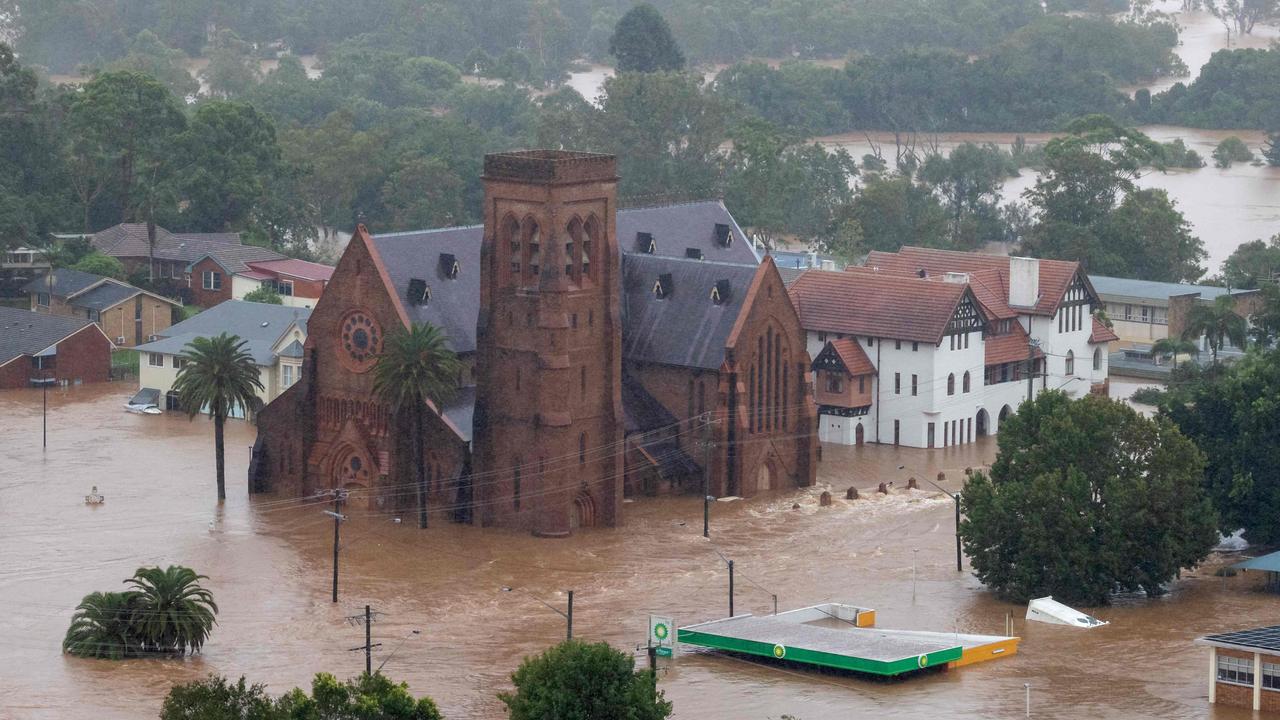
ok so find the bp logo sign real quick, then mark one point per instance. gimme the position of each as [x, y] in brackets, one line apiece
[779, 651]
[662, 634]
[923, 662]
[660, 631]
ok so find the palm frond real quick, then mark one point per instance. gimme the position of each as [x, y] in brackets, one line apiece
[416, 365]
[218, 375]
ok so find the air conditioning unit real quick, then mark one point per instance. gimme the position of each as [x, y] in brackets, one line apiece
[120, 340]
[152, 338]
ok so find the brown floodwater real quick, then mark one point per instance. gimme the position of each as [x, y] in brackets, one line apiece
[268, 561]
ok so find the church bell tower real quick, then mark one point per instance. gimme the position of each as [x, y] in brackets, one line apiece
[549, 425]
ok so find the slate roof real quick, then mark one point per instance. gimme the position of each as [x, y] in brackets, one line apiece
[1101, 333]
[65, 282]
[1055, 275]
[455, 303]
[853, 357]
[1011, 347]
[685, 327]
[130, 240]
[876, 304]
[460, 411]
[235, 258]
[292, 350]
[790, 274]
[260, 324]
[23, 332]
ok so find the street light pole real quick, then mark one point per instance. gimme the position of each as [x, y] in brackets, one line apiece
[568, 616]
[956, 498]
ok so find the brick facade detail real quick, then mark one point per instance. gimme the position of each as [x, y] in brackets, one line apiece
[208, 298]
[83, 356]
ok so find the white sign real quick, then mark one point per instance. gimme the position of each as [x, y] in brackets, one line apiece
[662, 634]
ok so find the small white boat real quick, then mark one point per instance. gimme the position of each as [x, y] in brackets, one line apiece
[145, 402]
[1048, 610]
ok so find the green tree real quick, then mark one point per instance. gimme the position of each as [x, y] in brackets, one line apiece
[171, 611]
[232, 70]
[423, 192]
[1271, 149]
[218, 377]
[893, 211]
[99, 264]
[1231, 150]
[232, 160]
[1173, 347]
[1149, 238]
[576, 680]
[368, 697]
[1253, 263]
[1231, 412]
[642, 42]
[214, 698]
[416, 367]
[102, 627]
[969, 180]
[1265, 321]
[264, 294]
[149, 55]
[1086, 497]
[33, 177]
[1218, 323]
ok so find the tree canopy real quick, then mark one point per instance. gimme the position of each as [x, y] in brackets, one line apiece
[577, 680]
[368, 697]
[642, 42]
[1085, 498]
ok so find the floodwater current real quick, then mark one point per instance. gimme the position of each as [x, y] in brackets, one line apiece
[269, 563]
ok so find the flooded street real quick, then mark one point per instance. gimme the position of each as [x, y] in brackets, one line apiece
[269, 558]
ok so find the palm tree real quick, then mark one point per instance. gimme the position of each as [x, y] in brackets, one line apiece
[218, 376]
[171, 611]
[101, 627]
[1173, 347]
[416, 365]
[1218, 323]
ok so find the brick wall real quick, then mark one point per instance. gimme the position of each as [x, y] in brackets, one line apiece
[16, 373]
[118, 321]
[85, 356]
[208, 298]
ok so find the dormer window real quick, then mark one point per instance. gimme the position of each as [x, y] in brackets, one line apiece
[418, 293]
[720, 292]
[724, 238]
[693, 253]
[664, 286]
[449, 266]
[645, 243]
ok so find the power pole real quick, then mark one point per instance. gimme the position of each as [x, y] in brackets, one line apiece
[1032, 344]
[569, 619]
[730, 588]
[338, 496]
[369, 645]
[706, 477]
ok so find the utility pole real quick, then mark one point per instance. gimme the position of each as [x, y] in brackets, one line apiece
[1032, 344]
[338, 496]
[730, 588]
[369, 645]
[706, 477]
[569, 619]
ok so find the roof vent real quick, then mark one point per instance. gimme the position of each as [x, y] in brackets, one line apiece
[720, 292]
[449, 266]
[922, 273]
[693, 253]
[418, 293]
[724, 238]
[645, 243]
[664, 286]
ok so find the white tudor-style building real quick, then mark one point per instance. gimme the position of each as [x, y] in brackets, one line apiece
[932, 348]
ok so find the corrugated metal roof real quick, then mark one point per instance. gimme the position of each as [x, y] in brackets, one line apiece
[1270, 563]
[1153, 290]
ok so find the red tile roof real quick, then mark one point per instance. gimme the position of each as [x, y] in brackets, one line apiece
[853, 356]
[1101, 333]
[862, 302]
[294, 267]
[1011, 347]
[1055, 275]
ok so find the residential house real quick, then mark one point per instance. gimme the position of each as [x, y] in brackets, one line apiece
[127, 314]
[1144, 311]
[42, 346]
[942, 346]
[226, 274]
[1244, 668]
[274, 336]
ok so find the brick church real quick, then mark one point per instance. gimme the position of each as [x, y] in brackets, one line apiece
[605, 353]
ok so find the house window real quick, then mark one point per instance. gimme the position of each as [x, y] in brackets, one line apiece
[286, 376]
[1238, 671]
[1071, 362]
[42, 299]
[178, 362]
[94, 315]
[862, 383]
[582, 449]
[212, 280]
[1097, 358]
[897, 431]
[915, 384]
[897, 383]
[966, 381]
[915, 346]
[871, 342]
[283, 287]
[897, 344]
[834, 385]
[1271, 676]
[822, 337]
[951, 384]
[155, 359]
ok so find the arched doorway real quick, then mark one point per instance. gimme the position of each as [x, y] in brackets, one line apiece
[764, 478]
[1004, 413]
[981, 422]
[858, 436]
[584, 510]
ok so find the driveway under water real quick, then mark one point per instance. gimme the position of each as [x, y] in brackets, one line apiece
[268, 561]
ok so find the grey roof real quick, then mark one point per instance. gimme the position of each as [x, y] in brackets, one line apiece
[455, 303]
[232, 257]
[65, 282]
[258, 323]
[130, 240]
[1264, 638]
[789, 274]
[105, 296]
[461, 411]
[684, 327]
[292, 350]
[1270, 563]
[23, 332]
[1152, 290]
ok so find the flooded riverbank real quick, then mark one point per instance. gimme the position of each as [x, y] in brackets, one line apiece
[269, 561]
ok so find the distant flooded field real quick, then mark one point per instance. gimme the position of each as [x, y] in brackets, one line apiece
[269, 558]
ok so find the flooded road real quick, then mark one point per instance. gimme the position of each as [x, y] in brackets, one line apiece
[268, 559]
